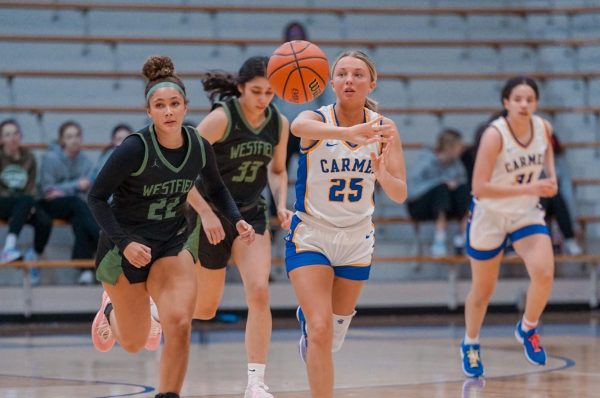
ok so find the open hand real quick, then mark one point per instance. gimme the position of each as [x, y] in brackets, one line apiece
[371, 131]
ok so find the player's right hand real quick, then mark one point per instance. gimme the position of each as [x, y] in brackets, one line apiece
[369, 132]
[545, 188]
[246, 231]
[212, 227]
[137, 254]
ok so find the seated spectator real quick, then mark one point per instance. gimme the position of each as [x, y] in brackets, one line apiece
[469, 153]
[560, 206]
[439, 190]
[65, 181]
[17, 196]
[119, 133]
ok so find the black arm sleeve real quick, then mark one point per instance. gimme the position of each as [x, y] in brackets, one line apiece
[214, 187]
[126, 159]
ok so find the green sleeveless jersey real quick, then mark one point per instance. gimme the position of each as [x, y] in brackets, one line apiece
[150, 202]
[244, 152]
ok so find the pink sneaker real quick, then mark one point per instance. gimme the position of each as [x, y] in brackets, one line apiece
[153, 341]
[102, 336]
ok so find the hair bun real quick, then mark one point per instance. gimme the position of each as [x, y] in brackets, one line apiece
[158, 67]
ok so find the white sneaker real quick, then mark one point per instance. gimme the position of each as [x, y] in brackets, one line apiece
[459, 243]
[257, 390]
[572, 247]
[86, 277]
[9, 255]
[438, 248]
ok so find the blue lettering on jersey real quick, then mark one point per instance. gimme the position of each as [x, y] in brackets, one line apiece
[346, 165]
[524, 161]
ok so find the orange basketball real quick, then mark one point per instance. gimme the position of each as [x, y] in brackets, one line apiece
[298, 71]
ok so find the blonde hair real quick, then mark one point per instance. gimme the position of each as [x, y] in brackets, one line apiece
[369, 102]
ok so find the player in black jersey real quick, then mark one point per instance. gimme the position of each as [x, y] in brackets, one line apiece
[144, 249]
[249, 137]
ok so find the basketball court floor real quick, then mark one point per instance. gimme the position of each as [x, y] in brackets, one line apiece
[390, 361]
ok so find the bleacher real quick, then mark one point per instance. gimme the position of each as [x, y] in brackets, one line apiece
[440, 66]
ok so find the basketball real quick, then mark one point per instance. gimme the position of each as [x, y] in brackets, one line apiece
[298, 71]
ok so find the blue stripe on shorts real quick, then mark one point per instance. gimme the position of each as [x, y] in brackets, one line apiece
[482, 255]
[527, 231]
[352, 272]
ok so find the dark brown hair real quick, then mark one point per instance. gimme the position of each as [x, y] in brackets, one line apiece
[220, 84]
[158, 69]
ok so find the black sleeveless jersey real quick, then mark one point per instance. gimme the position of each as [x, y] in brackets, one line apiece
[244, 152]
[150, 202]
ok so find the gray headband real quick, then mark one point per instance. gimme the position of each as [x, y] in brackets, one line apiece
[164, 84]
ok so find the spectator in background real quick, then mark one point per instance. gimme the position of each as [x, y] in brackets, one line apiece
[439, 190]
[119, 133]
[468, 156]
[17, 196]
[65, 181]
[560, 206]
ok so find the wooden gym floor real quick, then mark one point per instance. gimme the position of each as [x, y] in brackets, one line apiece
[377, 361]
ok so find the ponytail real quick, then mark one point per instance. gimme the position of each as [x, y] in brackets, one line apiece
[220, 85]
[371, 104]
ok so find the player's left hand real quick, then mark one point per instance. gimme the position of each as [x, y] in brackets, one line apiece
[285, 218]
[378, 162]
[246, 231]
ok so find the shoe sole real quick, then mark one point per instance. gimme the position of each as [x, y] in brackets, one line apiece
[522, 341]
[10, 259]
[302, 340]
[462, 363]
[301, 344]
[99, 314]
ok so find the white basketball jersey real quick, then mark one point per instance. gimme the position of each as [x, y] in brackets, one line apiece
[335, 180]
[517, 163]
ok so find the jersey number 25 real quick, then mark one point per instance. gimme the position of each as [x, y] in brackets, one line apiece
[338, 185]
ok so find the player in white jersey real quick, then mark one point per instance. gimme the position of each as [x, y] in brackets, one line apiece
[507, 185]
[345, 148]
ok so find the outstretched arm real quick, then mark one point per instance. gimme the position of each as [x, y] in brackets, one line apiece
[309, 126]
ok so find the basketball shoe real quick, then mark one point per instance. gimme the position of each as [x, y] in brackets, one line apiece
[257, 390]
[471, 359]
[102, 335]
[155, 334]
[534, 352]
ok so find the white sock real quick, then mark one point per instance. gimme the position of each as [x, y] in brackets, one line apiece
[256, 373]
[341, 323]
[470, 341]
[527, 325]
[154, 311]
[10, 242]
